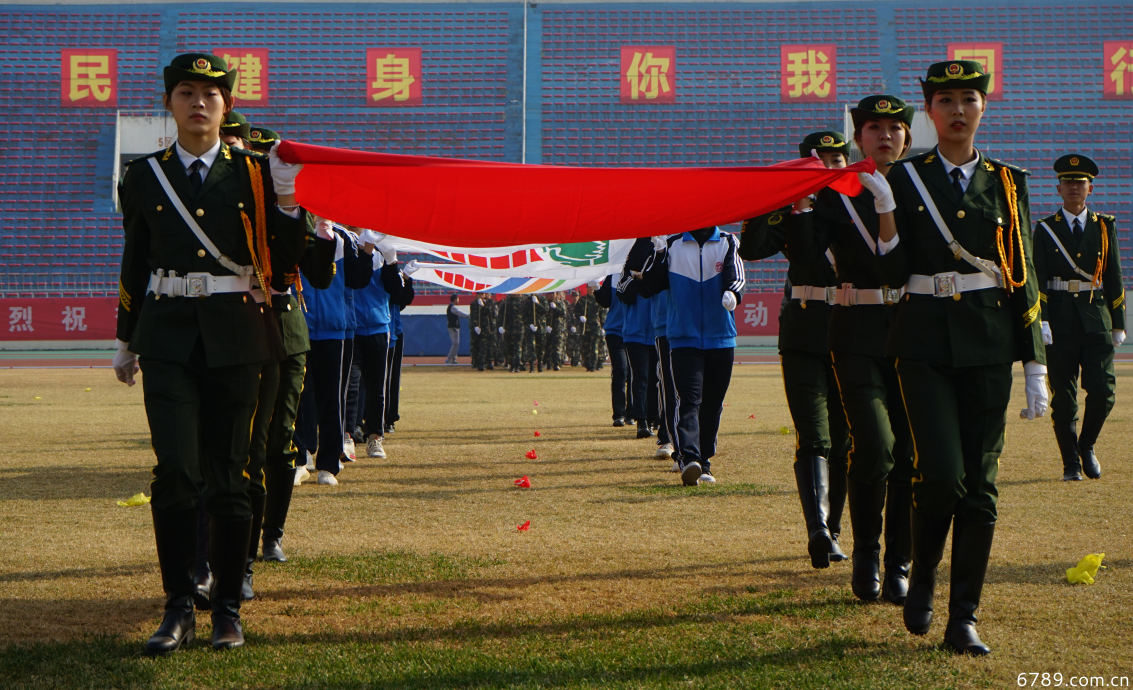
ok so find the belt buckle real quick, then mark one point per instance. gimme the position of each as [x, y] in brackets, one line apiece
[890, 295]
[1074, 286]
[196, 285]
[831, 295]
[945, 285]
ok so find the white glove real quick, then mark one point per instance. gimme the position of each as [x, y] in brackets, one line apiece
[388, 253]
[573, 329]
[283, 174]
[501, 329]
[534, 299]
[882, 193]
[547, 329]
[1047, 337]
[582, 319]
[1037, 396]
[601, 331]
[411, 268]
[594, 285]
[371, 237]
[660, 243]
[125, 364]
[729, 300]
[322, 229]
[533, 328]
[1118, 337]
[553, 305]
[477, 329]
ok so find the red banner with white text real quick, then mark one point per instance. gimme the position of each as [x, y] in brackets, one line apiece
[58, 318]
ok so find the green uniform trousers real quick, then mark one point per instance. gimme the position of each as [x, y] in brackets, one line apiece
[958, 420]
[816, 408]
[281, 450]
[200, 421]
[534, 343]
[1093, 355]
[265, 407]
[879, 430]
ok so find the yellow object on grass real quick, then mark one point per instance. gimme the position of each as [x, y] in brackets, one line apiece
[135, 500]
[1086, 570]
[534, 411]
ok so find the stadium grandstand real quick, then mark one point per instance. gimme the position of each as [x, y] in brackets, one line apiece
[540, 83]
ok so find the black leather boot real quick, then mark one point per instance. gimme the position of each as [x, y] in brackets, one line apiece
[1067, 437]
[280, 483]
[202, 574]
[1093, 419]
[643, 429]
[176, 534]
[898, 558]
[811, 478]
[928, 537]
[228, 553]
[867, 503]
[258, 502]
[836, 493]
[971, 548]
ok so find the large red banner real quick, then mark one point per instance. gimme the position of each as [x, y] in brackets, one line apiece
[758, 314]
[59, 318]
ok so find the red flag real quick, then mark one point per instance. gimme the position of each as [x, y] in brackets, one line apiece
[751, 416]
[531, 455]
[537, 434]
[465, 203]
[524, 527]
[523, 483]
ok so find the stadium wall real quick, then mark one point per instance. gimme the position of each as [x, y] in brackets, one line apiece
[542, 83]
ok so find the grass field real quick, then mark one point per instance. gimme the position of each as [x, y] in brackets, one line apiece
[412, 574]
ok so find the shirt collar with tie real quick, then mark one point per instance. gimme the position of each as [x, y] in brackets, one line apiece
[207, 158]
[1081, 218]
[967, 169]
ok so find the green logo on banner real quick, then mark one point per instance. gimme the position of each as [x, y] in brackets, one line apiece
[580, 254]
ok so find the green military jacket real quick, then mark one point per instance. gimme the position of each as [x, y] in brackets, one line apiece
[231, 326]
[587, 306]
[982, 327]
[858, 329]
[802, 325]
[317, 263]
[1099, 311]
[480, 315]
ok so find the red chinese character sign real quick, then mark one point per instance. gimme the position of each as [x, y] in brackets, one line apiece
[990, 57]
[648, 74]
[89, 78]
[808, 73]
[59, 318]
[393, 76]
[1117, 70]
[251, 65]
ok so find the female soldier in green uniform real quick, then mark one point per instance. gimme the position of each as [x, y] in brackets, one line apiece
[859, 324]
[808, 376]
[201, 221]
[960, 242]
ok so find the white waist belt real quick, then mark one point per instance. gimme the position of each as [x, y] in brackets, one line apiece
[950, 284]
[199, 285]
[808, 293]
[1061, 285]
[849, 296]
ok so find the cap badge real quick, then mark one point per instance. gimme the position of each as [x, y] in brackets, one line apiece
[256, 135]
[1074, 161]
[827, 140]
[955, 69]
[203, 65]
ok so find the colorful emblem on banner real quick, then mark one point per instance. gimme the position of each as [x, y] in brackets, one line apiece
[808, 73]
[393, 77]
[1117, 70]
[251, 65]
[89, 78]
[648, 74]
[990, 57]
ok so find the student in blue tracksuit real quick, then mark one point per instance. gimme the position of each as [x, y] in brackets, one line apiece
[666, 392]
[637, 334]
[372, 344]
[619, 360]
[702, 276]
[398, 300]
[331, 323]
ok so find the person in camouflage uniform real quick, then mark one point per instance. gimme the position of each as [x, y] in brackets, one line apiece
[589, 330]
[482, 331]
[572, 352]
[557, 316]
[534, 331]
[603, 350]
[513, 330]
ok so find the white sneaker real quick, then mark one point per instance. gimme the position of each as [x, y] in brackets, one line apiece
[664, 451]
[348, 449]
[327, 478]
[374, 447]
[310, 459]
[676, 467]
[707, 478]
[301, 474]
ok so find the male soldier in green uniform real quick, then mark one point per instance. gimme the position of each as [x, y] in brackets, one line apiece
[589, 330]
[482, 333]
[955, 230]
[603, 350]
[192, 214]
[534, 331]
[556, 326]
[822, 438]
[572, 353]
[513, 330]
[1077, 261]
